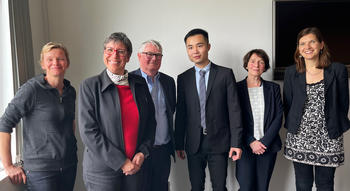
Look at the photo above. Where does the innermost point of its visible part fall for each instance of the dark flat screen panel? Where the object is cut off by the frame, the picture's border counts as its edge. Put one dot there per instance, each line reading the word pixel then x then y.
pixel 331 17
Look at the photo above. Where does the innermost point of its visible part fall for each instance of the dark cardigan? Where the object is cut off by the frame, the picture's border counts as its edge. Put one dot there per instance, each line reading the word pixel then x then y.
pixel 336 99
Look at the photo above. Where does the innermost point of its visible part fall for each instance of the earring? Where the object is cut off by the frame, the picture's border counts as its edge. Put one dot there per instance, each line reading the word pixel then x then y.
pixel 300 56
pixel 321 51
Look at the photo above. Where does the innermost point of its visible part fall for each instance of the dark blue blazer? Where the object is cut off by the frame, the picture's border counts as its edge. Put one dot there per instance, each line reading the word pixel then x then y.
pixel 223 112
pixel 168 85
pixel 273 115
pixel 336 93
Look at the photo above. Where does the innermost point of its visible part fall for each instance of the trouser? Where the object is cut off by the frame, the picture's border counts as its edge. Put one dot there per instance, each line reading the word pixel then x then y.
pixel 60 180
pixel 253 172
pixel 217 164
pixel 304 177
pixel 157 168
pixel 113 181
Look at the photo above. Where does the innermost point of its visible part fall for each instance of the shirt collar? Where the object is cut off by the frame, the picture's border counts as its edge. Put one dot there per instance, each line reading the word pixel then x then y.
pixel 149 78
pixel 206 68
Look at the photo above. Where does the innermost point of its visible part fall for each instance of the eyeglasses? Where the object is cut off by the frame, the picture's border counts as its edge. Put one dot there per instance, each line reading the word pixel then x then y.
pixel 110 51
pixel 150 55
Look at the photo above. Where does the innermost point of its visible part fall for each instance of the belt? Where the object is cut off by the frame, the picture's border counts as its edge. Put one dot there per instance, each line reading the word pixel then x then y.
pixel 160 146
pixel 205 131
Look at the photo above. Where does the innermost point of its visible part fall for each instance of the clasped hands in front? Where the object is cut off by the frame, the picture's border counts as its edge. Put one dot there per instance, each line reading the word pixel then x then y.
pixel 132 167
pixel 257 147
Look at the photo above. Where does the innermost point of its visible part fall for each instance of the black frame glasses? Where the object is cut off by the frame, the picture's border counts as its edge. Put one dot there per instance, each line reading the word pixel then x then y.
pixel 150 55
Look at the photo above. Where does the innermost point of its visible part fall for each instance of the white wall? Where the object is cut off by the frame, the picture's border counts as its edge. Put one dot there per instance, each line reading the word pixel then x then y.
pixel 234 28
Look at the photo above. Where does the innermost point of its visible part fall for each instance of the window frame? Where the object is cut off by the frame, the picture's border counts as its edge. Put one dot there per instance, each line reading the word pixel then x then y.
pixel 22 60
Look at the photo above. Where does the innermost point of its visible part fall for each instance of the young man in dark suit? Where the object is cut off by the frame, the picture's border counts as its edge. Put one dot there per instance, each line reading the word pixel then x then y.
pixel 208 115
pixel 162 89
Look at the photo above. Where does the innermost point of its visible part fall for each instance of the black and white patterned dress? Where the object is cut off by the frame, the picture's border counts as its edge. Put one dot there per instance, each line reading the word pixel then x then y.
pixel 312 145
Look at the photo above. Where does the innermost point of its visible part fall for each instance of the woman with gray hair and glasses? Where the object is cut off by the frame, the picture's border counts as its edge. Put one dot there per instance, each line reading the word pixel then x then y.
pixel 116 122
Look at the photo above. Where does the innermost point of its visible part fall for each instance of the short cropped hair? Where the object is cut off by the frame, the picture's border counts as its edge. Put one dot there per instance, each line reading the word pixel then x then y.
pixel 259 52
pixel 119 37
pixel 196 32
pixel 154 43
pixel 52 45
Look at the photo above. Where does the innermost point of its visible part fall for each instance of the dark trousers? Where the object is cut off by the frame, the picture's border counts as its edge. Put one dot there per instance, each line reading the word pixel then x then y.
pixel 113 181
pixel 217 164
pixel 253 172
pixel 304 177
pixel 60 180
pixel 157 168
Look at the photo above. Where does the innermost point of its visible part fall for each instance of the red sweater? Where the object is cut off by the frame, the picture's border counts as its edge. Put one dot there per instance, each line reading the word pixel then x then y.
pixel 130 119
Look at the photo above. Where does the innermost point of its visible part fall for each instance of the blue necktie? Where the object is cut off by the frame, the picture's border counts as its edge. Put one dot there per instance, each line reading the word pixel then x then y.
pixel 202 97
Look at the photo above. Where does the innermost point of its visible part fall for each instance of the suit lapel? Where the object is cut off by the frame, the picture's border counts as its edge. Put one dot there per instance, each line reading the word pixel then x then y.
pixel 165 88
pixel 192 86
pixel 301 81
pixel 212 74
pixel 267 99
pixel 246 99
pixel 328 78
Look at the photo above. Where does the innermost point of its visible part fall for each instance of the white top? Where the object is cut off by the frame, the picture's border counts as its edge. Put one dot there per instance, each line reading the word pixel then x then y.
pixel 257 103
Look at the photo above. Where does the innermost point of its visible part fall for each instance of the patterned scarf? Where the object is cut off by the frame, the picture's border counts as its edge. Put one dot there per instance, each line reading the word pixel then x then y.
pixel 119 79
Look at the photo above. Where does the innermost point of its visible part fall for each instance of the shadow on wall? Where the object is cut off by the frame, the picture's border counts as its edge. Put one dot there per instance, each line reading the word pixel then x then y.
pixel 6 184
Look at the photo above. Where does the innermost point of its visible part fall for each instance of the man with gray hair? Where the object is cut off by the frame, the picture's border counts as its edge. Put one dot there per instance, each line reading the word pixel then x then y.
pixel 162 89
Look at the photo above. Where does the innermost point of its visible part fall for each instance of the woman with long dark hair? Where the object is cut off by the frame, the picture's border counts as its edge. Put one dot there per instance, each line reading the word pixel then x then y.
pixel 316 103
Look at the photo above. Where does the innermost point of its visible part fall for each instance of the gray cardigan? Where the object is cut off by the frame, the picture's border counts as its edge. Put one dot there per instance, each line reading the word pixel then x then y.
pixel 48 138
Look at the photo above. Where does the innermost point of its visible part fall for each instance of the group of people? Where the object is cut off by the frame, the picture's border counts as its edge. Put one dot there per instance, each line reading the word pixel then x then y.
pixel 126 119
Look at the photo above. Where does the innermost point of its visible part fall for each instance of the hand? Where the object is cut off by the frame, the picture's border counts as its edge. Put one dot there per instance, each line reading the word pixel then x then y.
pixel 138 159
pixel 129 168
pixel 16 174
pixel 181 154
pixel 235 153
pixel 257 147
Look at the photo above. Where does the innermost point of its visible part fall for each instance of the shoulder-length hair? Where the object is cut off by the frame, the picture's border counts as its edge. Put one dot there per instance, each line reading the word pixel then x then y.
pixel 324 55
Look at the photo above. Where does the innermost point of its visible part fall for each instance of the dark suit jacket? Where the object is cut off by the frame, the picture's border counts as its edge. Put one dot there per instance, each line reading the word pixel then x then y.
pixel 273 115
pixel 223 113
pixel 100 122
pixel 336 99
pixel 168 85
